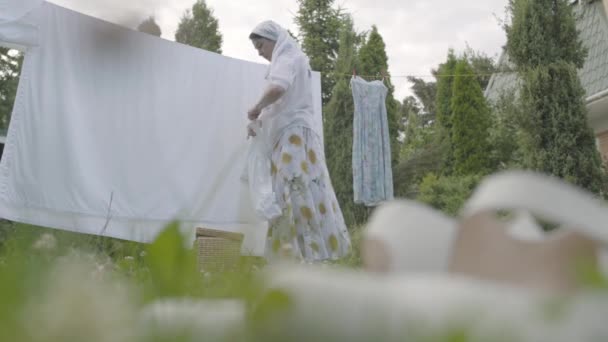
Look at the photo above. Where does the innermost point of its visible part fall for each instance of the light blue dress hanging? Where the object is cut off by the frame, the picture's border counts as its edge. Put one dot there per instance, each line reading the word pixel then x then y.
pixel 372 173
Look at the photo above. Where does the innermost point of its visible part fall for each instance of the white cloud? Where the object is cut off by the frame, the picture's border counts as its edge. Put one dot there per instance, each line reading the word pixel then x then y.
pixel 417 33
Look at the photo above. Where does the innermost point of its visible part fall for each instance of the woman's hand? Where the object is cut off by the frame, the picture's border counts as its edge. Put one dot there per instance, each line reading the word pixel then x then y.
pixel 251 128
pixel 254 113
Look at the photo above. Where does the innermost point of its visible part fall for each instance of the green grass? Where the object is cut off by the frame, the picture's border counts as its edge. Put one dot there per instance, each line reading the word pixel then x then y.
pixel 77 274
pixel 62 286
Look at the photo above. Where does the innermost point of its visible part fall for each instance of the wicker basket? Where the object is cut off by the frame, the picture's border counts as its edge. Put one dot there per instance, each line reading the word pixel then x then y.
pixel 217 250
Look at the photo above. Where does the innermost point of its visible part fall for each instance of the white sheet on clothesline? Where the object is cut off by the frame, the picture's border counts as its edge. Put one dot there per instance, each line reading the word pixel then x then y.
pixel 117 132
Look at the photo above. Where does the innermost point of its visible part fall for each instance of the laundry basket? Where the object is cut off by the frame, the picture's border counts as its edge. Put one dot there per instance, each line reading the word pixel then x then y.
pixel 217 250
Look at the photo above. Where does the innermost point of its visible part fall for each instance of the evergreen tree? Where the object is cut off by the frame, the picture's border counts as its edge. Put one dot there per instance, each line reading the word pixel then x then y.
pixel 443 101
pixel 319 29
pixel 505 133
pixel 150 26
pixel 199 28
pixel 483 66
pixel 338 128
pixel 544 45
pixel 470 123
pixel 427 146
pixel 543 32
pixel 374 61
pixel 443 107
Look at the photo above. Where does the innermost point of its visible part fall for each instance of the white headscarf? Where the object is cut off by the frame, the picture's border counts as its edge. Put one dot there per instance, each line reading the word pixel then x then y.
pixel 285 44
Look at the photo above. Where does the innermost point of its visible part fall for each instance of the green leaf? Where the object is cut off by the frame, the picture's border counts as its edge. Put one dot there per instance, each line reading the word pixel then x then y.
pixel 172 266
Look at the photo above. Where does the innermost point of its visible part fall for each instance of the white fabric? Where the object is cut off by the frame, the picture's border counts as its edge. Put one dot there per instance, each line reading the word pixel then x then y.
pixel 350 305
pixel 11 10
pixel 419 238
pixel 270 30
pixel 117 132
pixel 257 174
pixel 547 197
pixel 19 34
pixel 289 69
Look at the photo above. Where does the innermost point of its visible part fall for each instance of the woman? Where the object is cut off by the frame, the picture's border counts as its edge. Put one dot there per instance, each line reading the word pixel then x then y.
pixel 311 220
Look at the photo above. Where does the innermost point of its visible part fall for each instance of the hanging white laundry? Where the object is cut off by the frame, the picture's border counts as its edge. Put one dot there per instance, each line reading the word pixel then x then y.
pixel 116 132
pixel 372 173
pixel 258 175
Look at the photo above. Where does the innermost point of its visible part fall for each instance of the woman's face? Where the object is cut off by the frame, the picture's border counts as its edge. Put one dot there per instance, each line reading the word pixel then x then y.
pixel 264 47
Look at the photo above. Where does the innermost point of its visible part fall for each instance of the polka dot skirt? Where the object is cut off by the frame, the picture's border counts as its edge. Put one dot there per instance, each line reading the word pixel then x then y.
pixel 312 222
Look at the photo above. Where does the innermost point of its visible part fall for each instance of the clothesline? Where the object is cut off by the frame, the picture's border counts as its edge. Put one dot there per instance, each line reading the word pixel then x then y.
pixel 421 76
pixel 380 76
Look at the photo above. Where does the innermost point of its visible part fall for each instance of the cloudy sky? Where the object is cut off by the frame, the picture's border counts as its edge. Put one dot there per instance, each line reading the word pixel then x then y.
pixel 417 33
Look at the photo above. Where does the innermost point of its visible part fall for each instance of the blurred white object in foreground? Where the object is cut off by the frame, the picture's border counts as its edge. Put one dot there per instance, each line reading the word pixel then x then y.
pixel 326 304
pixel 405 236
